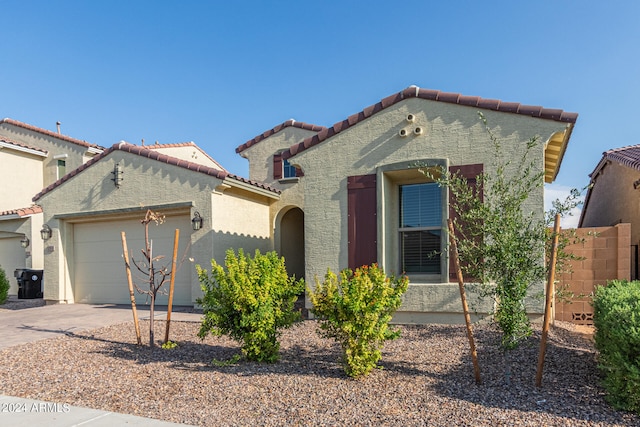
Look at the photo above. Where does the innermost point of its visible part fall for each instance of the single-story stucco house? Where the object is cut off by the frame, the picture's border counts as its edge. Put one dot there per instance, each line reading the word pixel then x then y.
pixel 323 197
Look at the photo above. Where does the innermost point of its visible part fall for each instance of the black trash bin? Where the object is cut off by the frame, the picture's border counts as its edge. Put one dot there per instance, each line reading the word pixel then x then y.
pixel 29 283
pixel 18 275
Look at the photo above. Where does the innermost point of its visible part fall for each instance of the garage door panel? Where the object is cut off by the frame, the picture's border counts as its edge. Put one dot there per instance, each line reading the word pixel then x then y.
pixel 99 270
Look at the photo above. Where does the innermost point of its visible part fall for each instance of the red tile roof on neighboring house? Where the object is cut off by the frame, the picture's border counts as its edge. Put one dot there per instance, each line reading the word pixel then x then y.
pixel 49 133
pixel 277 129
pixel 628 156
pixel 434 95
pixel 185 144
pixel 22 212
pixel 154 155
pixel 21 145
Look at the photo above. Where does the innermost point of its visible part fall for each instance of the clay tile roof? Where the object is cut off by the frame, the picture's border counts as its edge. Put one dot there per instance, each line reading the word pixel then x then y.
pixel 22 212
pixel 628 156
pixel 49 133
pixel 154 155
pixel 21 145
pixel 434 95
pixel 277 129
pixel 177 144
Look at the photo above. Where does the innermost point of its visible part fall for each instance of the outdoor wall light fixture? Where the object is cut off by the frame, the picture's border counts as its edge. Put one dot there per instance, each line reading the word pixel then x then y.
pixel 117 175
pixel 24 242
pixel 45 233
pixel 196 221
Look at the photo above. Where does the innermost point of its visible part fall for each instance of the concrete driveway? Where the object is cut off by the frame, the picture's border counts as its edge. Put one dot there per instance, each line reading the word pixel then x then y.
pixel 33 324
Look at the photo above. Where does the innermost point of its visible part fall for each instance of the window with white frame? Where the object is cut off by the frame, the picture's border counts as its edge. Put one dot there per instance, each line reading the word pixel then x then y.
pixel 420 228
pixel 61 165
pixel 62 168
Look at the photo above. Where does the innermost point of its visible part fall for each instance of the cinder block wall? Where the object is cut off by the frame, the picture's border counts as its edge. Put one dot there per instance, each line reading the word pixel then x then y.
pixel 607 256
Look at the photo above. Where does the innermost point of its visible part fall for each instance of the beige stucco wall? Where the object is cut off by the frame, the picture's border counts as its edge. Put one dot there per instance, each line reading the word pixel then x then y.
pixel 613 200
pixel 21 177
pixel 147 183
pixel 240 222
pixel 451 132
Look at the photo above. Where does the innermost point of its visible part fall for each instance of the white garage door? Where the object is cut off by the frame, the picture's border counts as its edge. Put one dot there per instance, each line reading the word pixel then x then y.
pixel 11 257
pixel 99 269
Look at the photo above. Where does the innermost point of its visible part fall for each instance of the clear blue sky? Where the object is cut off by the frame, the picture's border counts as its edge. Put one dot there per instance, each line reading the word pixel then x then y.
pixel 221 72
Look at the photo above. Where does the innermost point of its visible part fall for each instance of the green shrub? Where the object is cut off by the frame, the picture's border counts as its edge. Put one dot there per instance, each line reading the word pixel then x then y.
pixel 4 286
pixel 250 302
pixel 356 312
pixel 617 320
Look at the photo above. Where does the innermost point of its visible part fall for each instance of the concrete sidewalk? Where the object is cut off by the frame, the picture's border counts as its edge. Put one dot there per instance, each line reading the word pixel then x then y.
pixel 38 323
pixel 18 412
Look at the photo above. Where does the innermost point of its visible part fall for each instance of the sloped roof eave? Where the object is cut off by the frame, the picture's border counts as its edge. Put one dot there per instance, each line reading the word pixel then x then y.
pixel 18 146
pixel 154 155
pixel 433 95
pixel 21 212
pixel 553 161
pixel 266 134
pixel 50 133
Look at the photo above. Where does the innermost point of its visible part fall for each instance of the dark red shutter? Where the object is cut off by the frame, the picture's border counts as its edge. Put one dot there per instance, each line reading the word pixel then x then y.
pixel 469 172
pixel 299 172
pixel 277 166
pixel 362 221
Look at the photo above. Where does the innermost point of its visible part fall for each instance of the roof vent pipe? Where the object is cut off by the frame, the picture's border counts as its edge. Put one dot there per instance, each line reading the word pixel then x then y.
pixel 58 127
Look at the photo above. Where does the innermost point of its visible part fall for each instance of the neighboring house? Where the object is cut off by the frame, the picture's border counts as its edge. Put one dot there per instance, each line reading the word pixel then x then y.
pixel 362 198
pixel 30 159
pixel 89 208
pixel 612 197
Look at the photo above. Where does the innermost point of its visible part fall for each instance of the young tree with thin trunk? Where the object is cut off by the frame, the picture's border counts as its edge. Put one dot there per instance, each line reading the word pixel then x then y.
pixel 500 239
pixel 152 274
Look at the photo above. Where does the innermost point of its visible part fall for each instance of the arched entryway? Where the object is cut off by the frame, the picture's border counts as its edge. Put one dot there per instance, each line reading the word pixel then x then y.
pixel 291 240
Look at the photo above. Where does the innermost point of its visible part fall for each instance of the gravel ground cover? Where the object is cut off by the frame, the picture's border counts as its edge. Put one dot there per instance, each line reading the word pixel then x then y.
pixel 13 303
pixel 427 379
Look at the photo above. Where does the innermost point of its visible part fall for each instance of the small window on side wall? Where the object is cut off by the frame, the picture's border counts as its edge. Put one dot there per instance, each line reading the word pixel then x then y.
pixel 282 169
pixel 62 168
pixel 61 165
pixel 288 170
